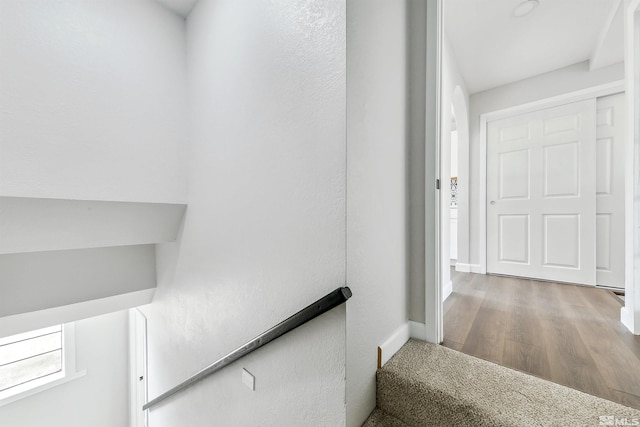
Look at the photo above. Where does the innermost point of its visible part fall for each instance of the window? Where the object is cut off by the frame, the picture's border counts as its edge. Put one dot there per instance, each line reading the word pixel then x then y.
pixel 35 361
pixel 28 357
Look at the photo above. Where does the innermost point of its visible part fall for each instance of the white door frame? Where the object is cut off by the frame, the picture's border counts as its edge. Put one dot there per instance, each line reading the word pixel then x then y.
pixel 434 316
pixel 138 368
pixel 630 313
pixel 580 95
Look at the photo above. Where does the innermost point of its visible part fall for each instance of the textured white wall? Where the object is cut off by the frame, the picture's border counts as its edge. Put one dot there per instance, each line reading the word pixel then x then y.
pixel 92 100
pixel 376 190
pixel 264 234
pixel 454 153
pixel 547 85
pixel 416 116
pixel 100 398
pixel 92 106
pixel 181 7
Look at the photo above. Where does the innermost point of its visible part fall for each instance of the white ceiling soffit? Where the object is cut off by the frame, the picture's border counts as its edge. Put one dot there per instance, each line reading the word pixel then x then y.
pixel 181 7
pixel 609 49
pixel 493 48
pixel 34 224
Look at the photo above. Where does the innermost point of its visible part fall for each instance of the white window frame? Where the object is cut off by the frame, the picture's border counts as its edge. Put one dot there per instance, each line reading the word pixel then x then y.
pixel 68 373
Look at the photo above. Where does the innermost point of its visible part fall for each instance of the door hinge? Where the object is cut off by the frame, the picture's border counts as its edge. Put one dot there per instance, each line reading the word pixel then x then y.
pixel 437 184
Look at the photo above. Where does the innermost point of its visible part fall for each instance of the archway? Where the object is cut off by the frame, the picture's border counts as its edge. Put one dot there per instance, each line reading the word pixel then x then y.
pixel 454 114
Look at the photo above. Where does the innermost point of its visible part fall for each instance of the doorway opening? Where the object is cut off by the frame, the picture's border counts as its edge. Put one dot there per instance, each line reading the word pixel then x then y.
pixel 138 374
pixel 540 189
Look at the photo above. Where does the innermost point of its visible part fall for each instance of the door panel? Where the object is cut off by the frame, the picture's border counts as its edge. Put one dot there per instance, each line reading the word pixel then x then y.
pixel 604 148
pixel 514 238
pixel 514 175
pixel 603 247
pixel 610 119
pixel 568 123
pixel 561 174
pixel 561 240
pixel 541 192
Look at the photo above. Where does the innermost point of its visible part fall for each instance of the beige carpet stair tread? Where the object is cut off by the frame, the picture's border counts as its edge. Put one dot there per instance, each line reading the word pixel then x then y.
pixel 380 418
pixel 426 384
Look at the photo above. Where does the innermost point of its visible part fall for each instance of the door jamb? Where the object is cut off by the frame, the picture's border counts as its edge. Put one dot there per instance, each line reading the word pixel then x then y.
pixel 630 313
pixel 434 317
pixel 138 353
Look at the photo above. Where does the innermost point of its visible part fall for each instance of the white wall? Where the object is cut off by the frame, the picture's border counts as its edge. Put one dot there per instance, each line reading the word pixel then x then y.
pixel 454 154
pixel 376 189
pixel 264 234
pixel 98 399
pixel 92 100
pixel 546 85
pixel 93 107
pixel 416 115
pixel 452 80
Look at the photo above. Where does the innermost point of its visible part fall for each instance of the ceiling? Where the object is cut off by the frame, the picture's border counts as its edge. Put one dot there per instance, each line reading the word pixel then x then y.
pixel 181 7
pixel 493 48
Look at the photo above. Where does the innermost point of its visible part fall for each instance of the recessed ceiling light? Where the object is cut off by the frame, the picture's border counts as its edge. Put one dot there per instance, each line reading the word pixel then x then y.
pixel 525 8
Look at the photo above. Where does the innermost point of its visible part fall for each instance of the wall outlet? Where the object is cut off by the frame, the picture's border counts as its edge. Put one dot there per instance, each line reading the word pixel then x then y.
pixel 248 379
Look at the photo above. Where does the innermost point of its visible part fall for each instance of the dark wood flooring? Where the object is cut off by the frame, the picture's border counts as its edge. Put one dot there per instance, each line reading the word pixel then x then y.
pixel 567 334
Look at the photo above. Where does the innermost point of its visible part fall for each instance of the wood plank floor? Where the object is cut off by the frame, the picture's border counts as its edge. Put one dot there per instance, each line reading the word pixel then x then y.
pixel 567 334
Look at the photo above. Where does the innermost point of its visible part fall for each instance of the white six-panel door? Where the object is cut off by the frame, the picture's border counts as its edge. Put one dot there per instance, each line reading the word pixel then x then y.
pixel 610 134
pixel 541 193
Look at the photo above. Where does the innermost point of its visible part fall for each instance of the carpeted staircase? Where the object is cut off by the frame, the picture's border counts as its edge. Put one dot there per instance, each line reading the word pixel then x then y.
pixel 430 385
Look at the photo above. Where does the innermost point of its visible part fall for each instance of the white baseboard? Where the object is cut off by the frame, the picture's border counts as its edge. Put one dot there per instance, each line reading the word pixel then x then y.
pixel 420 332
pixel 399 338
pixel 417 330
pixel 387 349
pixel 476 268
pixel 453 262
pixel 627 320
pixel 447 290
pixel 469 268
pixel 463 268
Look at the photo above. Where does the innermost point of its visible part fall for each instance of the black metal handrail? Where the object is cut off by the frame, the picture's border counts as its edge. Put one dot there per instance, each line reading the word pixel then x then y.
pixel 324 304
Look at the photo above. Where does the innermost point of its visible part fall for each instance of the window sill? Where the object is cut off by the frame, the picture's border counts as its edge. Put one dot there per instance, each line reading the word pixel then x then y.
pixel 30 391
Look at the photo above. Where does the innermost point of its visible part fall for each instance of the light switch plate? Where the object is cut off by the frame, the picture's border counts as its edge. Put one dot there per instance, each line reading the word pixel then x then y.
pixel 248 379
